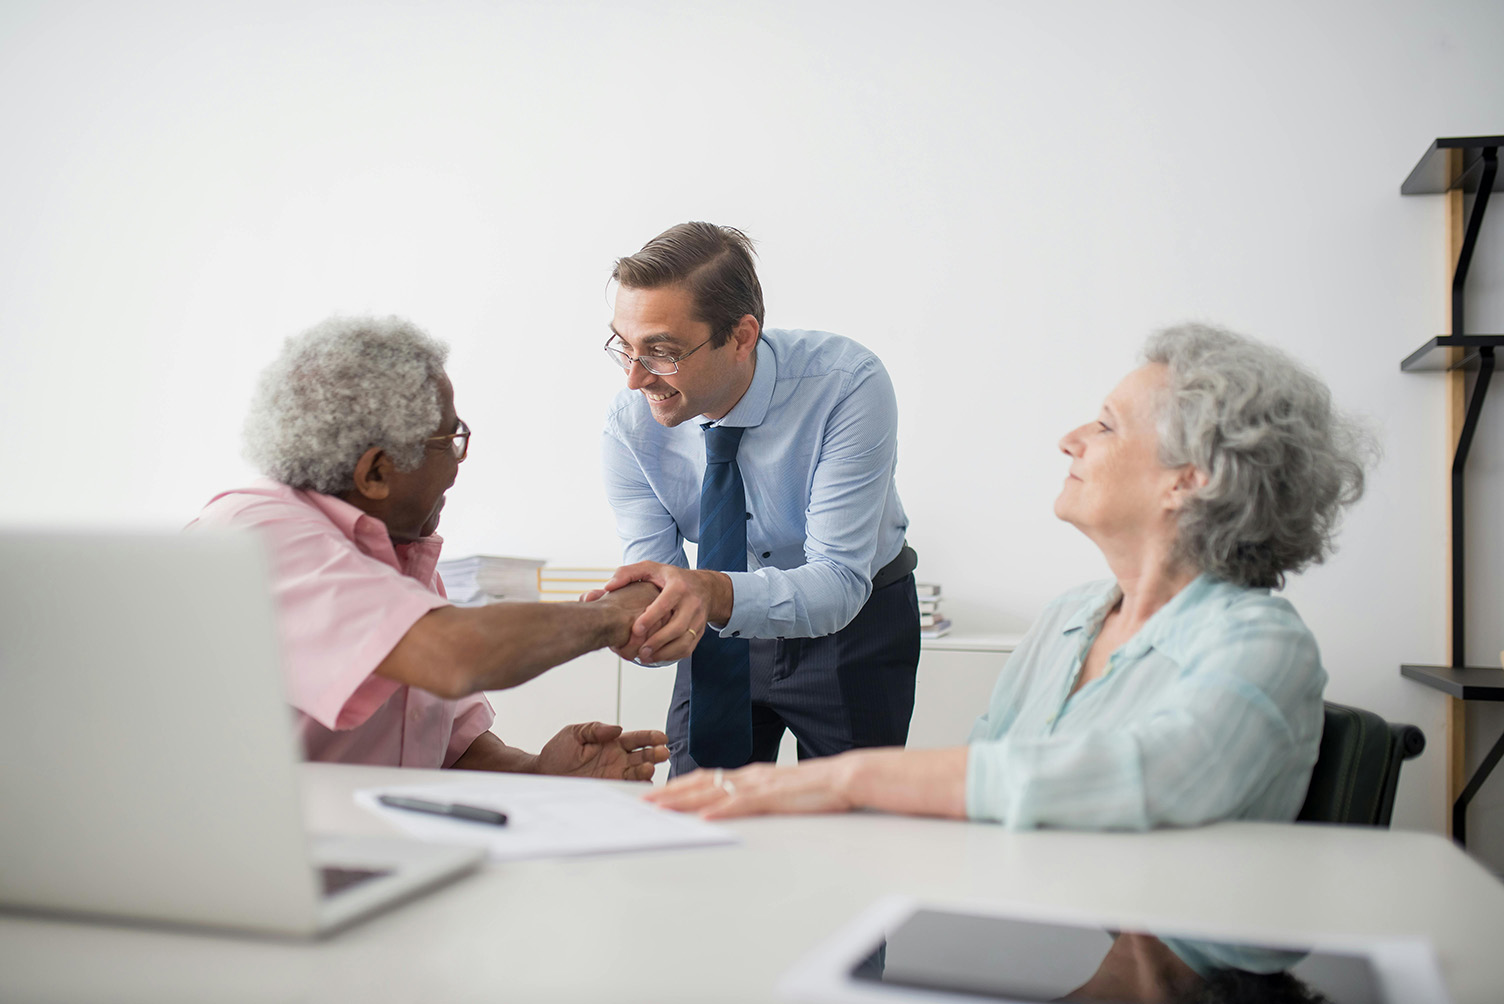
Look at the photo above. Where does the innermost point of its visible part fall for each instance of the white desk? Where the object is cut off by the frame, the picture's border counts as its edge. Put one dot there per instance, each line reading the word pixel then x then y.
pixel 721 924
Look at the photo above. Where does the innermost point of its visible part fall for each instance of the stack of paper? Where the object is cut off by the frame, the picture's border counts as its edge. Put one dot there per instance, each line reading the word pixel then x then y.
pixel 488 578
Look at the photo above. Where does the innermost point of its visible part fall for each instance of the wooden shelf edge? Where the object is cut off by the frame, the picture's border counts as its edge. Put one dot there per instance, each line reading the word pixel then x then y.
pixel 1467 683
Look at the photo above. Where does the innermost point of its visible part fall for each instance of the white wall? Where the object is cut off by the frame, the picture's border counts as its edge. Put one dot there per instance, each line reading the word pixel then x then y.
pixel 1000 199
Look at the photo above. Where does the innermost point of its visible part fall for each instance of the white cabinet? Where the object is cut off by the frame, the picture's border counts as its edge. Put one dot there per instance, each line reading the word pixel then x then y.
pixel 581 690
pixel 956 677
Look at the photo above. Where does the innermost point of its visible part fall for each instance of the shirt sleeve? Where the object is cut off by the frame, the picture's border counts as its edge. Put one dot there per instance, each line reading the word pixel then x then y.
pixel 843 525
pixel 340 612
pixel 647 529
pixel 1244 715
pixel 473 715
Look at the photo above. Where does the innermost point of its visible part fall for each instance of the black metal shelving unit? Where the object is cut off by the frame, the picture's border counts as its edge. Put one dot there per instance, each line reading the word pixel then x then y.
pixel 1469 164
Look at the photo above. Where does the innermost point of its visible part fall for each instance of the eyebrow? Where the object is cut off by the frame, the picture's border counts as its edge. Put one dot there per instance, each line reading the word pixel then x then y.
pixel 660 338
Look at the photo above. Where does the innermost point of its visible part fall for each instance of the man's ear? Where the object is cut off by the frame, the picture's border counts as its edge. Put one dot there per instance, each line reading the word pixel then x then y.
pixel 744 337
pixel 373 474
pixel 1189 480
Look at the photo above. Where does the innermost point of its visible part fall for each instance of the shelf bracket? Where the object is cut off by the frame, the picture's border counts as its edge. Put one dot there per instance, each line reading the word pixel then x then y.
pixel 1490 164
pixel 1470 236
pixel 1459 808
pixel 1459 466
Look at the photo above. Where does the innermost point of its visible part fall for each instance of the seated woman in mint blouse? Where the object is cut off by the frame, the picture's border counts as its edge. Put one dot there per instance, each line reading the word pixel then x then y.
pixel 1179 691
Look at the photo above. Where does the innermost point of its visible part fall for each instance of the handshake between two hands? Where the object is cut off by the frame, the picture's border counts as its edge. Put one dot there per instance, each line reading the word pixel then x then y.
pixel 668 619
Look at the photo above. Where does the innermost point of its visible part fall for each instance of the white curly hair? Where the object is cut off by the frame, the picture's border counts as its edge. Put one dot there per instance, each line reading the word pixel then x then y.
pixel 1282 463
pixel 338 389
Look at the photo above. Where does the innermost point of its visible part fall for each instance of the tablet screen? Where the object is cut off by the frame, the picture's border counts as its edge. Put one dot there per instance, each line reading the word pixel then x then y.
pixel 1007 959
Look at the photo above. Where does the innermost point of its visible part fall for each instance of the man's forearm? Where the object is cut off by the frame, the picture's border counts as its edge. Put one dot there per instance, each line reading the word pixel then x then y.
pixel 488 752
pixel 505 644
pixel 454 651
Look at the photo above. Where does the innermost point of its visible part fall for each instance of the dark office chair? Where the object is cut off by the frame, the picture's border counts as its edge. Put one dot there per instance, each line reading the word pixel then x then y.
pixel 1358 767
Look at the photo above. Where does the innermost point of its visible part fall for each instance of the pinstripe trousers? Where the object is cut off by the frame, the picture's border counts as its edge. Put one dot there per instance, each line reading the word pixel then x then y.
pixel 851 689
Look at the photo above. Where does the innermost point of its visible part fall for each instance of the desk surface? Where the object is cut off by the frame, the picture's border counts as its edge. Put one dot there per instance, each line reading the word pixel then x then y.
pixel 723 923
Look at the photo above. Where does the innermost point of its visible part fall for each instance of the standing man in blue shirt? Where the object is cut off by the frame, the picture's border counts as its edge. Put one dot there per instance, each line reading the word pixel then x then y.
pixel 813 619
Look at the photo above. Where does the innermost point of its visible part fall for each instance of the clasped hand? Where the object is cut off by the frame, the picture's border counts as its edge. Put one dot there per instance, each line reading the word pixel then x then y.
pixel 673 624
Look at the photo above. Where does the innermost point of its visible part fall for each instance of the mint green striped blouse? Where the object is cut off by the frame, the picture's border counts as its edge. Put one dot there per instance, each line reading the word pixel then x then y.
pixel 1211 711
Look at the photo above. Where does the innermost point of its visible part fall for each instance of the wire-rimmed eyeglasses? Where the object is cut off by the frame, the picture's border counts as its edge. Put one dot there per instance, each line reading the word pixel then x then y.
pixel 459 441
pixel 657 363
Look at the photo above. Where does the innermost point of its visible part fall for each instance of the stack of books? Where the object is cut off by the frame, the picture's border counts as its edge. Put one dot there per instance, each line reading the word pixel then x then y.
pixel 932 623
pixel 488 578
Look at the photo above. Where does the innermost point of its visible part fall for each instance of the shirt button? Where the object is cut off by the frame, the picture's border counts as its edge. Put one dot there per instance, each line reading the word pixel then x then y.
pixel 749 515
pixel 736 634
pixel 767 554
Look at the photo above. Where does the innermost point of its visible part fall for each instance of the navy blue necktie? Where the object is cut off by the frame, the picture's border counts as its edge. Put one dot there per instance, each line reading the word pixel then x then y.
pixel 720 670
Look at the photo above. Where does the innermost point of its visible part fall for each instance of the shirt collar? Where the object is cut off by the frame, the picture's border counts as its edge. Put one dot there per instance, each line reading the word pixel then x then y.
pixel 753 407
pixel 416 558
pixel 1094 610
pixel 1161 625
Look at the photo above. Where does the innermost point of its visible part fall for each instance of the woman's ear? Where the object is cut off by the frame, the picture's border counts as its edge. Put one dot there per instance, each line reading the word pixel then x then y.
pixel 1189 480
pixel 373 474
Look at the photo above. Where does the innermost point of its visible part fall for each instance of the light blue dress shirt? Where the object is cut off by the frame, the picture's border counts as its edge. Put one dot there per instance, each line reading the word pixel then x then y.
pixel 1211 711
pixel 817 459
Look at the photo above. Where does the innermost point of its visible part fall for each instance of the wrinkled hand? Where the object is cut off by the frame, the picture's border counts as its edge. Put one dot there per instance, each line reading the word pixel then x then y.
pixel 594 749
pixel 758 789
pixel 631 599
pixel 673 624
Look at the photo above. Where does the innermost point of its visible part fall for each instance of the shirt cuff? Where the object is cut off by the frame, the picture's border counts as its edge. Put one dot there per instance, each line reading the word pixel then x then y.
pixel 750 599
pixel 984 777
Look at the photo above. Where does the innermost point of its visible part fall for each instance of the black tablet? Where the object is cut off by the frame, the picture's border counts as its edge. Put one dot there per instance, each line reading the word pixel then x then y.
pixel 901 950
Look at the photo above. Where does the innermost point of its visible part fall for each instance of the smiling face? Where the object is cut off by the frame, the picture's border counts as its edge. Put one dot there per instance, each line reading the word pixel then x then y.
pixel 1117 487
pixel 662 321
pixel 416 497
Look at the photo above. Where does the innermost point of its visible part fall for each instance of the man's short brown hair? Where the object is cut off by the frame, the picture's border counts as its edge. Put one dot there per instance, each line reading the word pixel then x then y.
pixel 713 263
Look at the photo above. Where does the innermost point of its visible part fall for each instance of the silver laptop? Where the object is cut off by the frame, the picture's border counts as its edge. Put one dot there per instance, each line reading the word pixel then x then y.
pixel 147 757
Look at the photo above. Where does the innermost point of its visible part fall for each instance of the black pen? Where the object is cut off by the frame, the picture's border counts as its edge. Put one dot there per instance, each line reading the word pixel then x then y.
pixel 474 814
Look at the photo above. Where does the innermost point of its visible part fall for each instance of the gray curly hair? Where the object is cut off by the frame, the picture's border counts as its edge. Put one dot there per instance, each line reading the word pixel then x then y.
pixel 338 389
pixel 1281 462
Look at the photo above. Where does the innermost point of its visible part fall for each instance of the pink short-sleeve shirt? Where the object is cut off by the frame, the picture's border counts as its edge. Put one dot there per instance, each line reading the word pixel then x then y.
pixel 345 596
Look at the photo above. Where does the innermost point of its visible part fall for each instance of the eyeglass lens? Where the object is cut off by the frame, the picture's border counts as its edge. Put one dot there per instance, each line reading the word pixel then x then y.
pixel 657 365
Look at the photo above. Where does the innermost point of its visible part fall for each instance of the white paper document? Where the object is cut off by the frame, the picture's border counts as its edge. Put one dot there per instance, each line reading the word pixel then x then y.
pixel 546 817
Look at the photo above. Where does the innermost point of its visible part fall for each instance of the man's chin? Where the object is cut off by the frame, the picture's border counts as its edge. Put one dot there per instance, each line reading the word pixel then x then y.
pixel 669 419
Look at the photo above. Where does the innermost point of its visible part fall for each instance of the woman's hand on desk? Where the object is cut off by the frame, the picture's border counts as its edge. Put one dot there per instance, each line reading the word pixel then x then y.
pixel 921 782
pixel 814 786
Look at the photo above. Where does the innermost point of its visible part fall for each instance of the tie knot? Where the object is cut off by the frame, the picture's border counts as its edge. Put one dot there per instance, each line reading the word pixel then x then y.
pixel 721 442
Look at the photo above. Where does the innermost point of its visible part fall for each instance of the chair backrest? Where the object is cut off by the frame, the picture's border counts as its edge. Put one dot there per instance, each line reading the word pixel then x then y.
pixel 1358 767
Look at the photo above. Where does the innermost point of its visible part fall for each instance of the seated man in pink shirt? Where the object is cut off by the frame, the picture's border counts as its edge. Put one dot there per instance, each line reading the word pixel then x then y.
pixel 355 428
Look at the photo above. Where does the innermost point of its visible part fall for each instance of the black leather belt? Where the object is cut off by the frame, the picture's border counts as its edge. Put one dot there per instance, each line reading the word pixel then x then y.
pixel 906 562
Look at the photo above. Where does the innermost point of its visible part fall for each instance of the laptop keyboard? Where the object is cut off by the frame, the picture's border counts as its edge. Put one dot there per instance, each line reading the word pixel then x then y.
pixel 337 880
